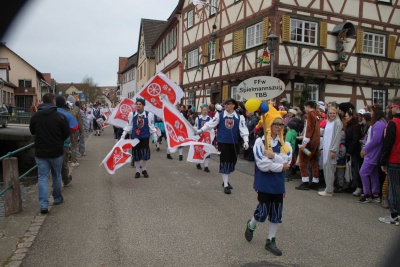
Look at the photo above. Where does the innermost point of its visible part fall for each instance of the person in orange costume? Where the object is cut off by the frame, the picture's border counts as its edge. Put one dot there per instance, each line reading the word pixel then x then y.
pixel 311 142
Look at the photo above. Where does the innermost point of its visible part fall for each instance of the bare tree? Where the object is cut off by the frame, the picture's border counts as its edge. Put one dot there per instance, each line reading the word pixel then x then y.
pixel 90 89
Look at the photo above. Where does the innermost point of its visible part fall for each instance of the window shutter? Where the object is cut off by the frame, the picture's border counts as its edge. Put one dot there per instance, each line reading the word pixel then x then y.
pixel 204 52
pixel 225 90
pixel 285 28
pixel 359 41
pixel 392 47
pixel 323 34
pixel 238 41
pixel 217 48
pixel 265 29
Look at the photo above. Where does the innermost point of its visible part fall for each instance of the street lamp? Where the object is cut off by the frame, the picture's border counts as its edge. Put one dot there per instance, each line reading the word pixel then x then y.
pixel 272 44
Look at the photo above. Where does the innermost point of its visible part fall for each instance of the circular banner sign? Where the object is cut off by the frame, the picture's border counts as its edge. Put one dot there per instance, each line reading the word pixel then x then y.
pixel 261 87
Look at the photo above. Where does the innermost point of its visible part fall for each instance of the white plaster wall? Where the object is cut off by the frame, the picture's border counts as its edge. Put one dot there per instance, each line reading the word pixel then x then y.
pixel 167 60
pixel 370 11
pixel 338 89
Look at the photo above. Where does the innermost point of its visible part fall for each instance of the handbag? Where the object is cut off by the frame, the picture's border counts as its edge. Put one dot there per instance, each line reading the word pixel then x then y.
pixel 347 175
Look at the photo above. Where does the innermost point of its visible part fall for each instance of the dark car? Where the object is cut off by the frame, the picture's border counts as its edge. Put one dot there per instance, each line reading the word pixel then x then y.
pixel 3 116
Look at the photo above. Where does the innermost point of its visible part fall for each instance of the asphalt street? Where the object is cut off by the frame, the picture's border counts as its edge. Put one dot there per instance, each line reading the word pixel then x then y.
pixel 181 217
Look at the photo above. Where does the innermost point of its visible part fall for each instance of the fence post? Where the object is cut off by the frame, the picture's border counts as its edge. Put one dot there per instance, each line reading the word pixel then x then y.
pixel 12 198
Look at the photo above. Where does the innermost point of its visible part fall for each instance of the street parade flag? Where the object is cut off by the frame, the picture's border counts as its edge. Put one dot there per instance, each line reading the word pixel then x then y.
pixel 119 155
pixel 198 153
pixel 106 115
pixel 181 133
pixel 159 85
pixel 119 115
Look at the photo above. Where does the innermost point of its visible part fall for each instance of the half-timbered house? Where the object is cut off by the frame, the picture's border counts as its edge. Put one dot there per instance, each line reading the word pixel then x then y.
pixel 339 50
pixel 127 74
pixel 168 48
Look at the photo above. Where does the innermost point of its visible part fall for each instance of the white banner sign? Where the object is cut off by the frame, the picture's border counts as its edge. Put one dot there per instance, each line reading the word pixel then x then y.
pixel 261 87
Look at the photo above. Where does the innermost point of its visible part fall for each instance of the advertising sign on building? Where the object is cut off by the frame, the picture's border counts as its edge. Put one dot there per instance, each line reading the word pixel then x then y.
pixel 82 97
pixel 261 87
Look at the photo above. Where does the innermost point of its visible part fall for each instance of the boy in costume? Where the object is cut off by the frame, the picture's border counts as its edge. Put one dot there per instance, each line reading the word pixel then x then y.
pixel 272 158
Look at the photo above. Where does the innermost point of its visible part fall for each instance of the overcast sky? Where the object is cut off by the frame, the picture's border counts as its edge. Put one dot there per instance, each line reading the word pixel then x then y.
pixel 74 38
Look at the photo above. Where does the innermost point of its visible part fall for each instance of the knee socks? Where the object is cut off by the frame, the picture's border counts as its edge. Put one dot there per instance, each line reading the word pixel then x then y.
pixel 225 178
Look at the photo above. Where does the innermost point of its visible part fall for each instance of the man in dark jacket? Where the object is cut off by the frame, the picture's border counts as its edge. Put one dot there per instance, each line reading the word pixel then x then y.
pixel 50 129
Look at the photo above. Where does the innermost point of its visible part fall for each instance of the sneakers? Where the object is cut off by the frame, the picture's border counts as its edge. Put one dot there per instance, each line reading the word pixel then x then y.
pixel 180 157
pixel 385 203
pixel 227 190
pixel 137 175
pixel 325 194
pixel 365 199
pixel 198 166
pixel 74 164
pixel 390 220
pixel 145 174
pixel 169 156
pixel 44 211
pixel 358 192
pixel 249 232
pixel 206 169
pixel 376 199
pixel 271 246
pixel 303 186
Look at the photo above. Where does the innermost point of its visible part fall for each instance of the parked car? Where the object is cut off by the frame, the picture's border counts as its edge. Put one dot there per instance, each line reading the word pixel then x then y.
pixel 3 113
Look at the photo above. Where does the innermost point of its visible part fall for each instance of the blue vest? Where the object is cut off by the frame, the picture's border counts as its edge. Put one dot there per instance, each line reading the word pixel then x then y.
pixel 228 129
pixel 202 121
pixel 270 182
pixel 140 123
pixel 96 113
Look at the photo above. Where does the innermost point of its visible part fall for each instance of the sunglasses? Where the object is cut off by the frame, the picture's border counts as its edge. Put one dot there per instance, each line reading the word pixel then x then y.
pixel 229 103
pixel 278 124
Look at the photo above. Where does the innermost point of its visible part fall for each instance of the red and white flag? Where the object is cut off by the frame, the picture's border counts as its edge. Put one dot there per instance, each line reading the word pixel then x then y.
pixel 198 153
pixel 180 132
pixel 119 155
pixel 159 85
pixel 119 115
pixel 106 115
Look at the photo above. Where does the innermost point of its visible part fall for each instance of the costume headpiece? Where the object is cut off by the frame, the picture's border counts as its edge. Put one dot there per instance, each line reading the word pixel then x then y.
pixel 269 118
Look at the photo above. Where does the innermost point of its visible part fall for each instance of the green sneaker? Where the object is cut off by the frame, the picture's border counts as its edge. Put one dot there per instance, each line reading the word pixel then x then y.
pixel 271 246
pixel 249 232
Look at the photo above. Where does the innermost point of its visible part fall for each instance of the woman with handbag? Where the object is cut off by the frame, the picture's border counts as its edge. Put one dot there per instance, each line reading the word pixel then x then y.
pixel 330 150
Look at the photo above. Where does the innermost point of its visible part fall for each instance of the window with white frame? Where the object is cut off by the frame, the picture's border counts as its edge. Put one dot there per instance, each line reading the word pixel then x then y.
pixel 190 19
pixel 193 58
pixel 208 92
pixel 234 93
pixel 254 35
pixel 379 97
pixel 314 90
pixel 302 31
pixel 374 44
pixel 213 7
pixel 211 51
pixel 385 1
pixel 191 99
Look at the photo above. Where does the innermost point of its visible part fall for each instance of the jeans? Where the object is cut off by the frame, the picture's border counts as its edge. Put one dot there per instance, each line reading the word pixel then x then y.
pixel 44 166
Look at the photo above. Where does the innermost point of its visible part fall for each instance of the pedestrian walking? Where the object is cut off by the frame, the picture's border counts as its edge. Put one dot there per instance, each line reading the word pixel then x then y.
pixel 76 112
pixel 50 129
pixel 230 127
pixel 199 122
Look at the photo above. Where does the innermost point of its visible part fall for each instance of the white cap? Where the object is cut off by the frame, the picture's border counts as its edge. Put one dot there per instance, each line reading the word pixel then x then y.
pixel 361 111
pixel 293 111
pixel 218 107
pixel 321 105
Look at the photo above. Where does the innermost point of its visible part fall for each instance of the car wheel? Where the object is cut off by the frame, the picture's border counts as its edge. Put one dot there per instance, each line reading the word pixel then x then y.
pixel 5 124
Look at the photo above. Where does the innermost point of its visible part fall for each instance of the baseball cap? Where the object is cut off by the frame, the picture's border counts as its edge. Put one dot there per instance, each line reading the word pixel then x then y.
pixel 361 111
